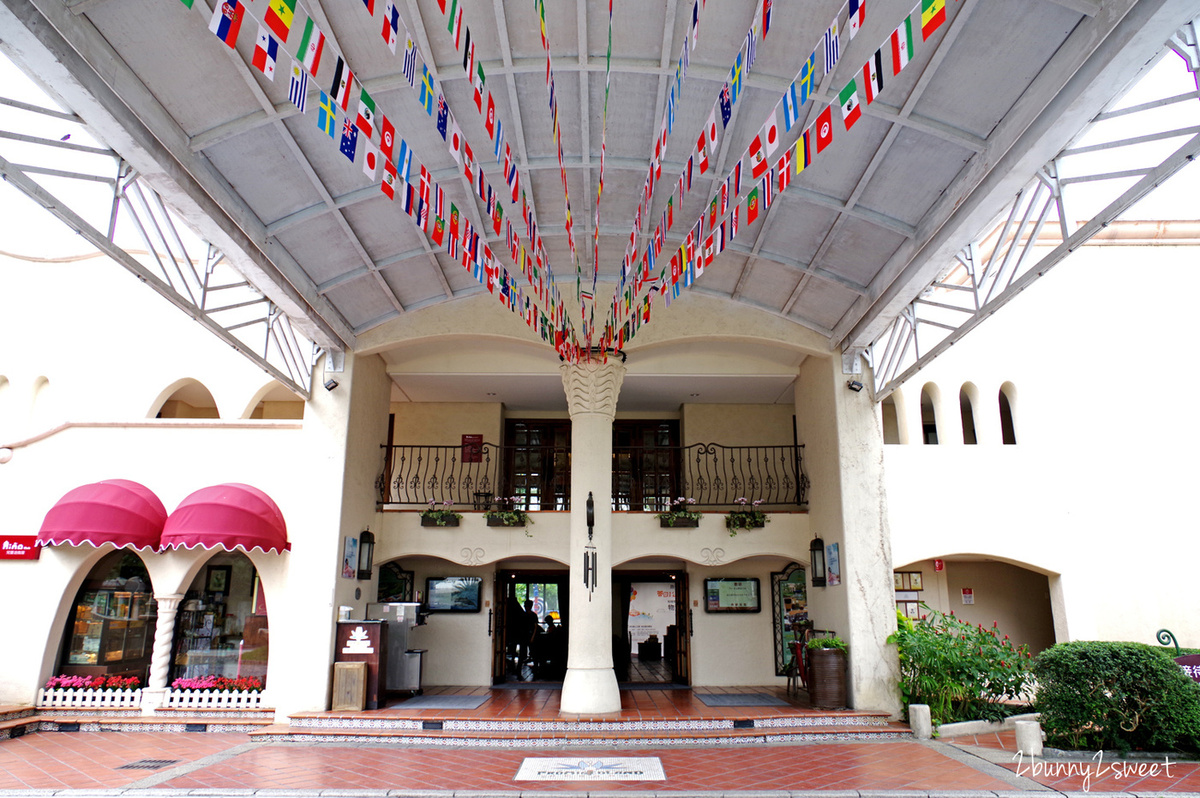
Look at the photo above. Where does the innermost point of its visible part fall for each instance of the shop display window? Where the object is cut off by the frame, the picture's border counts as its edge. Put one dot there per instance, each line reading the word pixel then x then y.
pixel 110 631
pixel 221 627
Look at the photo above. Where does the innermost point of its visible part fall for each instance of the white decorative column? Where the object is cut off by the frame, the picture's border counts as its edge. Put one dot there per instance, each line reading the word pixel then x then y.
pixel 155 691
pixel 590 686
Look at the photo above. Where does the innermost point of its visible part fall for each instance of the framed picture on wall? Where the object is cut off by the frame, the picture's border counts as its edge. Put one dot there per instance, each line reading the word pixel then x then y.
pixel 217 580
pixel 350 558
pixel 732 594
pixel 453 593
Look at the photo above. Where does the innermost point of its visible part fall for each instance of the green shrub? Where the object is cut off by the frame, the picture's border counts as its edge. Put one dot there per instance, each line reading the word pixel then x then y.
pixel 962 671
pixel 1117 696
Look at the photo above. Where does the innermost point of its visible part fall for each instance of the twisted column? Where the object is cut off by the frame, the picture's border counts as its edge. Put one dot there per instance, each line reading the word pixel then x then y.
pixel 164 631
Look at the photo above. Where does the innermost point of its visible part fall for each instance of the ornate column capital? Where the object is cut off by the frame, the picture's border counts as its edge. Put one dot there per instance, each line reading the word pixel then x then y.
pixel 593 387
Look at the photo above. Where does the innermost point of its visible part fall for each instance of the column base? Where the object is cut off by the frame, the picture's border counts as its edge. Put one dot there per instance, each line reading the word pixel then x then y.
pixel 590 691
pixel 152 699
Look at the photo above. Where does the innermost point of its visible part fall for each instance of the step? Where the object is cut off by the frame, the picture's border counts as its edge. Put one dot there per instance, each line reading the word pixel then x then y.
pixel 15 711
pixel 11 728
pixel 171 722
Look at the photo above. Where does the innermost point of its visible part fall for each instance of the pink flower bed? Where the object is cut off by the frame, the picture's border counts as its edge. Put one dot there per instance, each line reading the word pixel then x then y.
pixel 94 683
pixel 245 683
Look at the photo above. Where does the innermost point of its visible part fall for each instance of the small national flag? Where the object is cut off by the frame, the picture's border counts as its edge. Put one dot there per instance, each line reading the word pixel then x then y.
pixel 791 108
pixel 832 46
pixel 370 4
pixel 454 140
pixel 489 121
pixel 468 161
pixel 327 116
pixel 279 16
pixel 902 45
pixel 410 62
pixel 824 126
pixel 343 78
pixel 349 146
pixel 736 174
pixel 439 230
pixel 266 50
pixel 770 135
pixel 226 21
pixel 387 137
pixel 784 170
pixel 469 54
pixel 391 25
pixel 848 97
pixel 933 15
pixel 805 79
pixel 443 117
pixel 766 20
pixel 695 31
pixel 404 161
pixel 858 15
pixel 479 81
pixel 735 79
pixel 389 179
pixel 456 24
pixel 758 157
pixel 726 101
pixel 426 97
pixel 370 164
pixel 752 206
pixel 312 43
pixel 873 76
pixel 298 87
pixel 751 47
pixel 366 114
pixel 804 151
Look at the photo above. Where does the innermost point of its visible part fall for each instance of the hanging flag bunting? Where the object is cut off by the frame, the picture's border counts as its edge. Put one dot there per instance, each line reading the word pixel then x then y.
pixel 848 98
pixel 349 146
pixel 266 50
pixel 227 21
pixel 387 137
pixel 298 87
pixel 366 114
pixel 370 164
pixel 791 108
pixel 279 16
pixel 391 25
pixel 312 43
pixel 410 62
pixel 832 45
pixel 933 15
pixel 824 126
pixel 858 15
pixel 389 180
pixel 873 76
pixel 902 45
pixel 326 115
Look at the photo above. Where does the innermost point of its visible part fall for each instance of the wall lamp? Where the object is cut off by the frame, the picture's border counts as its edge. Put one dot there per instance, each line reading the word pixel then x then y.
pixel 816 559
pixel 330 384
pixel 366 554
pixel 854 385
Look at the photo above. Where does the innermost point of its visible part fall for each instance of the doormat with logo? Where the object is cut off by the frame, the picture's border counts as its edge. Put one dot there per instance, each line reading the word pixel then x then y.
pixel 569 768
pixel 443 702
pixel 740 700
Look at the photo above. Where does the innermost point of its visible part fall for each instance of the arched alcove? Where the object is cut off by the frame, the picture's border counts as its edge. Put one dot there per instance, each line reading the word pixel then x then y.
pixel 274 401
pixel 187 398
pixel 929 420
pixel 110 627
pixel 890 419
pixel 221 629
pixel 968 397
pixel 1008 425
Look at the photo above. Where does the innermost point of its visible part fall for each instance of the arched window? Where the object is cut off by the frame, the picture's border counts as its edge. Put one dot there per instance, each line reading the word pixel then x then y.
pixel 190 399
pixel 966 410
pixel 275 401
pixel 1008 427
pixel 110 629
pixel 891 420
pixel 929 430
pixel 221 629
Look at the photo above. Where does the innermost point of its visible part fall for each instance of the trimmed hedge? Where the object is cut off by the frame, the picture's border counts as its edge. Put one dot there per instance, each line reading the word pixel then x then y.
pixel 1116 696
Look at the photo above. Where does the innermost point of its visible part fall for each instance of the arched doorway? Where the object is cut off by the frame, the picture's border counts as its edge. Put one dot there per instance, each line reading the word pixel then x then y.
pixel 532 625
pixel 650 623
pixel 110 629
pixel 221 629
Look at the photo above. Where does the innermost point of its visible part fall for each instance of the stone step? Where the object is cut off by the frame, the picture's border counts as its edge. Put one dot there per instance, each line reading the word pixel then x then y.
pixel 15 711
pixel 192 722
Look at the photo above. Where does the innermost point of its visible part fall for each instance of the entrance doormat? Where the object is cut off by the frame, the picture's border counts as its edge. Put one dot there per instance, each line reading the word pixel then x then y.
pixel 443 702
pixel 570 768
pixel 740 700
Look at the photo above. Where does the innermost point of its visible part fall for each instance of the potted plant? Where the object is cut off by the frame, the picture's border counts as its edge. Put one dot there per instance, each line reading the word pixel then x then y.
pixel 507 513
pixel 743 518
pixel 439 515
pixel 827 672
pixel 679 516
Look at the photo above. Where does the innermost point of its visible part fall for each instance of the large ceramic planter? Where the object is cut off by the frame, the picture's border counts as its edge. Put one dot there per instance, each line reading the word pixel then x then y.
pixel 448 521
pixel 827 679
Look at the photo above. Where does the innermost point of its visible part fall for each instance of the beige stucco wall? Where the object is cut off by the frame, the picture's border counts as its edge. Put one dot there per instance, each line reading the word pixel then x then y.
pixel 444 424
pixel 737 425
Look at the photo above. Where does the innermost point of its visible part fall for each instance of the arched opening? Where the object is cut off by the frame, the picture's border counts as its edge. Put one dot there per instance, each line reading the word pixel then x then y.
pixel 966 409
pixel 189 399
pixel 890 419
pixel 275 401
pixel 221 629
pixel 110 629
pixel 1008 427
pixel 929 428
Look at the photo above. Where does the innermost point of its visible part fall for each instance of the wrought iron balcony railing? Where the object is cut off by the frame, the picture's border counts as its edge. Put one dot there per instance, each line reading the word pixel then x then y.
pixel 644 478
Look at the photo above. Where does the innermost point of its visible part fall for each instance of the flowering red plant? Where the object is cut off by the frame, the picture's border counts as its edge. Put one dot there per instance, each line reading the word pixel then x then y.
pixel 64 682
pixel 219 683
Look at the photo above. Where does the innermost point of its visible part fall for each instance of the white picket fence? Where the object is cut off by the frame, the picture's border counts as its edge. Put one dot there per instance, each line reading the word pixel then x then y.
pixel 74 698
pixel 213 699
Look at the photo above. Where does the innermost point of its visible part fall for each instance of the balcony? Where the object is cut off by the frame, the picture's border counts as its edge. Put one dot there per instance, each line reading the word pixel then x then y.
pixel 644 478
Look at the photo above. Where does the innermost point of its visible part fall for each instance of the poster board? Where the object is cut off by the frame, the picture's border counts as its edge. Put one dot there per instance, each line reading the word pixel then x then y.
pixel 732 594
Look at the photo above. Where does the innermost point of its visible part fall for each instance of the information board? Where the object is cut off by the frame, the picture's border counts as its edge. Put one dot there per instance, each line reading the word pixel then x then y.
pixel 732 594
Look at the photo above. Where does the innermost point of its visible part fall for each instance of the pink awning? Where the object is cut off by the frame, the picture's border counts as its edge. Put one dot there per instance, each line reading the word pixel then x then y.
pixel 230 516
pixel 115 511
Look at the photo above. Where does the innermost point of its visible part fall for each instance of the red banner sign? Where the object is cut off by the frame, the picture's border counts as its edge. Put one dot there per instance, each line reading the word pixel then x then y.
pixel 19 547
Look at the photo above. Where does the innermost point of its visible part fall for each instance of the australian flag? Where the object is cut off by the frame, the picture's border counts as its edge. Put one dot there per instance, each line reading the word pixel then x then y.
pixel 349 140
pixel 443 116
pixel 726 101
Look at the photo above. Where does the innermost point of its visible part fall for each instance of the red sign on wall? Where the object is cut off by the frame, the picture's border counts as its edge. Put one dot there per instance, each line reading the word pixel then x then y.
pixel 19 547
pixel 472 448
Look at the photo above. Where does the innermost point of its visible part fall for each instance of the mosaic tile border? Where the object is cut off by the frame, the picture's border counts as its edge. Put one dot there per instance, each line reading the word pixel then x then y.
pixel 821 720
pixel 536 726
pixel 182 726
pixel 375 724
pixel 518 743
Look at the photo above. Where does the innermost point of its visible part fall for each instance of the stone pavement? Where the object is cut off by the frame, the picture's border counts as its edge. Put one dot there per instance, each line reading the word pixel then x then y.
pixel 218 763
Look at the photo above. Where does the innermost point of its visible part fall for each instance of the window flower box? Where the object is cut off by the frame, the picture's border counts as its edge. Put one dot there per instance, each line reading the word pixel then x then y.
pixel 743 518
pixel 679 516
pixel 440 515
